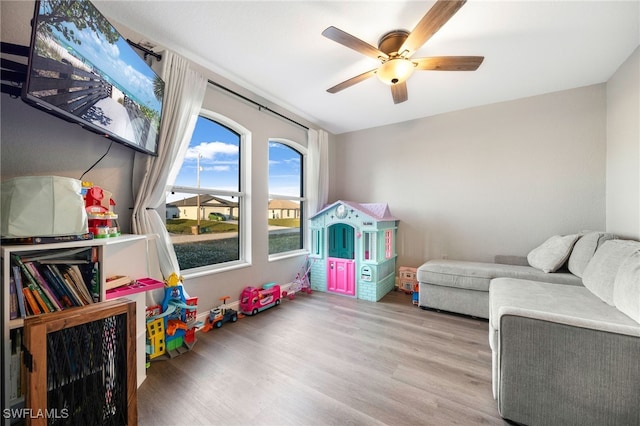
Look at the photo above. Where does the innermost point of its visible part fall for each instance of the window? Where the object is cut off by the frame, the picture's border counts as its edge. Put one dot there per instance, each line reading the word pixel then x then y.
pixel 369 242
pixel 206 207
pixel 286 203
pixel 389 250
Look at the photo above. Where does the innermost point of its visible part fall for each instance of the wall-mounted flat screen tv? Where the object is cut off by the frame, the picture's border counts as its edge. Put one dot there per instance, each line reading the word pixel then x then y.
pixel 81 69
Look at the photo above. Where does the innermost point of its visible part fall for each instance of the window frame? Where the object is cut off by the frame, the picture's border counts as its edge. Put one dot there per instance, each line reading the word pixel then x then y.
pixel 302 150
pixel 243 196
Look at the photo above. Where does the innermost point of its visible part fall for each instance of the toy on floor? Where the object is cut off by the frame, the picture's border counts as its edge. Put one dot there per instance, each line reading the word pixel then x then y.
pixel 171 326
pixel 219 316
pixel 300 282
pixel 408 279
pixel 254 300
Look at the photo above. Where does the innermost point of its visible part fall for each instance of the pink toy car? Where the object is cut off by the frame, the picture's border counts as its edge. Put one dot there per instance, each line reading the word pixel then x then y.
pixel 254 300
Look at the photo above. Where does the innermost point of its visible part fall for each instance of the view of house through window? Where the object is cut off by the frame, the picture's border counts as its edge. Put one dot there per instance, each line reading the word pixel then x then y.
pixel 286 204
pixel 204 209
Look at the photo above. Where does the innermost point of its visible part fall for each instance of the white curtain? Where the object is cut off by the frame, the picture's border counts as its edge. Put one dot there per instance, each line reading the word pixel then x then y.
pixel 184 93
pixel 317 192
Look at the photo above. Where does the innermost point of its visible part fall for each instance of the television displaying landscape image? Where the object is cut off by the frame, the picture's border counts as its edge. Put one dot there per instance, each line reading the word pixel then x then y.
pixel 81 69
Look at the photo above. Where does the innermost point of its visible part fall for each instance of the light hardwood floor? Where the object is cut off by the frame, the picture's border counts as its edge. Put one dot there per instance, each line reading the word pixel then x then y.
pixel 323 359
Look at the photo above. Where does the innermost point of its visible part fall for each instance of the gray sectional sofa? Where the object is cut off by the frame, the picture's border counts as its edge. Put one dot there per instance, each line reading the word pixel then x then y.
pixel 561 354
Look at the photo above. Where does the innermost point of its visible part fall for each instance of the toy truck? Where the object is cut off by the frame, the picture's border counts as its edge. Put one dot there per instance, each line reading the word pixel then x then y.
pixel 254 300
pixel 220 315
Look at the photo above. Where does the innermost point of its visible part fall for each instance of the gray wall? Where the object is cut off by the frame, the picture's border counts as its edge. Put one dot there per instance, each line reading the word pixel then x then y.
pixel 623 149
pixel 497 179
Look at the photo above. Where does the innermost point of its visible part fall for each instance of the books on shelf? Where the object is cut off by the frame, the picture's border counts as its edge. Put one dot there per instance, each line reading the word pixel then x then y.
pixel 17 279
pixel 54 280
pixel 13 300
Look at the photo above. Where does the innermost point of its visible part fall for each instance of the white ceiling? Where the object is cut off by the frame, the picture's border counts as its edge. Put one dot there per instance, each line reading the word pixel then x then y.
pixel 275 48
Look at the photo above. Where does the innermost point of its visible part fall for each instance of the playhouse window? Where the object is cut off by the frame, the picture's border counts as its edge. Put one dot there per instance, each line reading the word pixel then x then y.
pixel 388 244
pixel 369 241
pixel 286 192
pixel 316 242
pixel 208 193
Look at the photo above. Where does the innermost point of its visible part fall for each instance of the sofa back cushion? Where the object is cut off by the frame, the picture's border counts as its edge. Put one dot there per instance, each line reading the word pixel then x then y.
pixel 584 249
pixel 626 288
pixel 553 253
pixel 600 273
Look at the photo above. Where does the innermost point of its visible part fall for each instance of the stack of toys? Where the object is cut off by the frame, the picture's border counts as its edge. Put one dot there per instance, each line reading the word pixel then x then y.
pixel 171 326
pixel 99 206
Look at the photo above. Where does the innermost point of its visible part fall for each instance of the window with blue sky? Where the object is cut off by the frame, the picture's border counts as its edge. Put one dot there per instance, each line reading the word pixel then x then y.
pixel 205 211
pixel 286 203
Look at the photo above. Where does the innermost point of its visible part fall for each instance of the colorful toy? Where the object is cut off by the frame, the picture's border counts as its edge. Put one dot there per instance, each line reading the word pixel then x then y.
pixel 354 245
pixel 408 279
pixel 416 293
pixel 99 206
pixel 171 326
pixel 219 316
pixel 301 281
pixel 254 300
pixel 173 280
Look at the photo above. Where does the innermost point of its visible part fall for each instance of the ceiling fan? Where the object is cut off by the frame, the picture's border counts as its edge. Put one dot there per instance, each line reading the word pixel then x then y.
pixel 396 47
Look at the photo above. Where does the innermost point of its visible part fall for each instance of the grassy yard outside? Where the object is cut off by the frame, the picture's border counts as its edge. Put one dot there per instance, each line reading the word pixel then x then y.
pixel 194 254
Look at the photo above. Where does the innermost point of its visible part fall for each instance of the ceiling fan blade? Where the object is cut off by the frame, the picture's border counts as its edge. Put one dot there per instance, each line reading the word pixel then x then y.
pixel 352 81
pixel 430 23
pixel 399 92
pixel 448 63
pixel 354 43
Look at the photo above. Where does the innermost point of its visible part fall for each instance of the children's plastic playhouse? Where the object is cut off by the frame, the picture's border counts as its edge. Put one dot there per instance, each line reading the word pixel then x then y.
pixel 354 248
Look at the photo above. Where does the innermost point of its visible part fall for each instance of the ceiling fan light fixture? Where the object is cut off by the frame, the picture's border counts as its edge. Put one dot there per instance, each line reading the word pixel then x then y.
pixel 395 71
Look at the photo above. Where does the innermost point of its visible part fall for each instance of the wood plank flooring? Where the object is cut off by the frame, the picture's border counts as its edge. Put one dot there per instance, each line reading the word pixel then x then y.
pixel 323 359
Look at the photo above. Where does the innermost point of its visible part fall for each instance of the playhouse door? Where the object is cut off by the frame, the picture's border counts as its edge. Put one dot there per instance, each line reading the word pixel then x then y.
pixel 341 276
pixel 341 241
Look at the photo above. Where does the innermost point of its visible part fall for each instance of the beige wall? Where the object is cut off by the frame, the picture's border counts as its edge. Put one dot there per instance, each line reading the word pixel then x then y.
pixel 623 149
pixel 497 179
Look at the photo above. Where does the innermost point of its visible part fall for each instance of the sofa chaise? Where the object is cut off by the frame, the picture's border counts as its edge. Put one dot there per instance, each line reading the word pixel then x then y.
pixel 570 355
pixel 565 345
pixel 463 287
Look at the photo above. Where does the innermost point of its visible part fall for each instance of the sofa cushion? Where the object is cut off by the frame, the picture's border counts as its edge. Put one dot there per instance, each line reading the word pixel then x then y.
pixel 570 305
pixel 478 275
pixel 553 253
pixel 626 287
pixel 600 273
pixel 584 249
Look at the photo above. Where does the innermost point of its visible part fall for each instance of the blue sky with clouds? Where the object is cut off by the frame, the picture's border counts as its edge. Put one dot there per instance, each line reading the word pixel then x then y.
pixel 219 152
pixel 119 62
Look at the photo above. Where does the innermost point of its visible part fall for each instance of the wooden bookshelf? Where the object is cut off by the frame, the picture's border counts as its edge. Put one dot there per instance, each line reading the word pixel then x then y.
pixel 123 255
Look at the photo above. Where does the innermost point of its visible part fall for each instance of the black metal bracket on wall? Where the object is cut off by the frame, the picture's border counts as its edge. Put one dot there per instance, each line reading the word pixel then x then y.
pixel 13 73
pixel 146 51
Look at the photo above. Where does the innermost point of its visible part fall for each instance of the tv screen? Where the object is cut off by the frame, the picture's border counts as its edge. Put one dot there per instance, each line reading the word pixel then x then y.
pixel 81 69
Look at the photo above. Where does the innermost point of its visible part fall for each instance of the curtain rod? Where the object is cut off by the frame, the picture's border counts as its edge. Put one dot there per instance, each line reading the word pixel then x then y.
pixel 260 106
pixel 146 51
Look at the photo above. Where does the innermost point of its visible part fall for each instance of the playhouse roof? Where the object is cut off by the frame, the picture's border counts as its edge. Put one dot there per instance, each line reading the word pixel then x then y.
pixel 379 211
